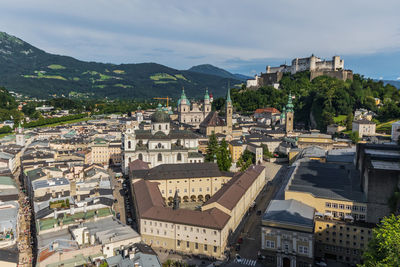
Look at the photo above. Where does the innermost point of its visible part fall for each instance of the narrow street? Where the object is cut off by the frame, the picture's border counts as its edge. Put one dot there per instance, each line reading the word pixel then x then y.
pixel 24 223
pixel 118 193
pixel 250 231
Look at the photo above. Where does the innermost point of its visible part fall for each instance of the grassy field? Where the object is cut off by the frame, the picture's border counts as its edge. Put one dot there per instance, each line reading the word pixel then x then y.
pixel 340 118
pixel 56 67
pixel 162 76
pixel 164 82
pixel 43 76
pixel 385 127
pixel 123 85
pixel 119 71
pixel 180 76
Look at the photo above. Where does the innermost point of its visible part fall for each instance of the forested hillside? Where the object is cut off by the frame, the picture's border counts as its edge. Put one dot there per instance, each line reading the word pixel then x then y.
pixel 317 102
pixel 33 72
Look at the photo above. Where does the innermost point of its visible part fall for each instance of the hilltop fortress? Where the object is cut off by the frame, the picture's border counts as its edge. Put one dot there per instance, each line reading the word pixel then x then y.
pixel 315 65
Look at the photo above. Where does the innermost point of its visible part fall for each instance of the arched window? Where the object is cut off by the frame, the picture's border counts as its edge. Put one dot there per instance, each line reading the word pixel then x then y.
pixel 140 156
pixel 159 157
pixel 129 144
pixel 179 157
pixel 159 127
pixel 159 145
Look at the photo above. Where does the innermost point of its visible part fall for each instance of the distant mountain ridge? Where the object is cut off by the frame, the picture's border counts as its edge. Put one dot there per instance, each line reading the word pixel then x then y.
pixel 212 70
pixel 394 83
pixel 31 71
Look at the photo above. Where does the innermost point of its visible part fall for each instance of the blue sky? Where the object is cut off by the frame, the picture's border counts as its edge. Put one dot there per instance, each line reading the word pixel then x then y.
pixel 240 36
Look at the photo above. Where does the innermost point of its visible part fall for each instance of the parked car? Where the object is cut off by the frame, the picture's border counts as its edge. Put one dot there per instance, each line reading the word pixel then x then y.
pixel 238 258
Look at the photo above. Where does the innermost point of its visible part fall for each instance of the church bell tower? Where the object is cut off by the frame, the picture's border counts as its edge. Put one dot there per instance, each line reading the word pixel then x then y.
pixel 229 111
pixel 289 115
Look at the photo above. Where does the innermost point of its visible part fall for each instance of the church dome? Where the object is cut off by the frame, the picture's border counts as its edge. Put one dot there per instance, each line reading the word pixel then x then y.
pixel 160 117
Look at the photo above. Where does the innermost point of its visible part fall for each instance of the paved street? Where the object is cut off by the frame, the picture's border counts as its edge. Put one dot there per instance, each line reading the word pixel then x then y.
pixel 24 234
pixel 250 231
pixel 118 192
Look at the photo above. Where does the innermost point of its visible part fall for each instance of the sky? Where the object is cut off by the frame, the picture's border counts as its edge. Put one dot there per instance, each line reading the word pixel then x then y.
pixel 241 36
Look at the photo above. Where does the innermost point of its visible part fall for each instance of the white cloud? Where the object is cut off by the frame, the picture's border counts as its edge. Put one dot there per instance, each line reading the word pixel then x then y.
pixel 184 33
pixel 398 78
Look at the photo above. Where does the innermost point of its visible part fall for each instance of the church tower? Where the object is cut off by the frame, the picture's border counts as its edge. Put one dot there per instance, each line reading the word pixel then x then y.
pixel 289 115
pixel 207 104
pixel 183 107
pixel 229 111
pixel 19 136
pixel 282 119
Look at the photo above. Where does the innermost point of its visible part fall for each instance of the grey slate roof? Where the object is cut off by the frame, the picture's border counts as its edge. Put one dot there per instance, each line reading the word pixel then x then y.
pixel 179 171
pixel 327 180
pixel 291 212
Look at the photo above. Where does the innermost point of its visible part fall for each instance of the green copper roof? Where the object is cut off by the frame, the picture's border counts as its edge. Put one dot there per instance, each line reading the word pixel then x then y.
pixel 206 96
pixel 183 98
pixel 289 105
pixel 228 96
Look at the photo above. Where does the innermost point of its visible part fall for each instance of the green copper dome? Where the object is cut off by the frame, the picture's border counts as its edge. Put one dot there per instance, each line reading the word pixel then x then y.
pixel 160 117
pixel 183 98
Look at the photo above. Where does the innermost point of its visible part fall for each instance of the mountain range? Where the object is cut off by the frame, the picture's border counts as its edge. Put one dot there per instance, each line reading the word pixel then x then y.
pixel 31 71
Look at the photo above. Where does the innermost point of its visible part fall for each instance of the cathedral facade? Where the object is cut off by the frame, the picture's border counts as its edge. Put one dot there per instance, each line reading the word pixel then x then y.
pixel 193 113
pixel 160 145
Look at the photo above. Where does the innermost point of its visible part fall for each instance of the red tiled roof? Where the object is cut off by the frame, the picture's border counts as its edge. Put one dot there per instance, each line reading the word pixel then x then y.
pixel 267 110
pixel 230 194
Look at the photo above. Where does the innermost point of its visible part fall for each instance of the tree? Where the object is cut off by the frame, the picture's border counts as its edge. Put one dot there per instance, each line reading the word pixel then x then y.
pixel 354 137
pixel 349 121
pixel 384 247
pixel 212 148
pixel 224 159
pixel 266 152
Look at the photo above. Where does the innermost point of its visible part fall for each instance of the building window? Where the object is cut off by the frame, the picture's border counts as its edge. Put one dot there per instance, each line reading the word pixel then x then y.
pixel 140 156
pixel 187 244
pixel 341 206
pixel 129 144
pixel 179 157
pixel 334 205
pixel 205 247
pixel 270 244
pixel 196 245
pixel 159 127
pixel 348 207
pixel 159 157
pixel 178 243
pixel 215 249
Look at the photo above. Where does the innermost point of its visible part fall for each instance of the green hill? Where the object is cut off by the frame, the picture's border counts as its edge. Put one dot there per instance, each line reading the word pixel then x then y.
pixel 31 71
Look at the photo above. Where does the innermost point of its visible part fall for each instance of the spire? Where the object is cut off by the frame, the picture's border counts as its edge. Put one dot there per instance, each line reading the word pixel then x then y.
pixel 228 95
pixel 176 201
pixel 206 96
pixel 289 106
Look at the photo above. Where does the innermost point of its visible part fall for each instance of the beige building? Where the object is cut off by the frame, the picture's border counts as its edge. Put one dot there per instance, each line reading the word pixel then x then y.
pixel 215 124
pixel 104 152
pixel 364 127
pixel 287 234
pixel 198 232
pixel 193 182
pixel 193 114
pixel 315 139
